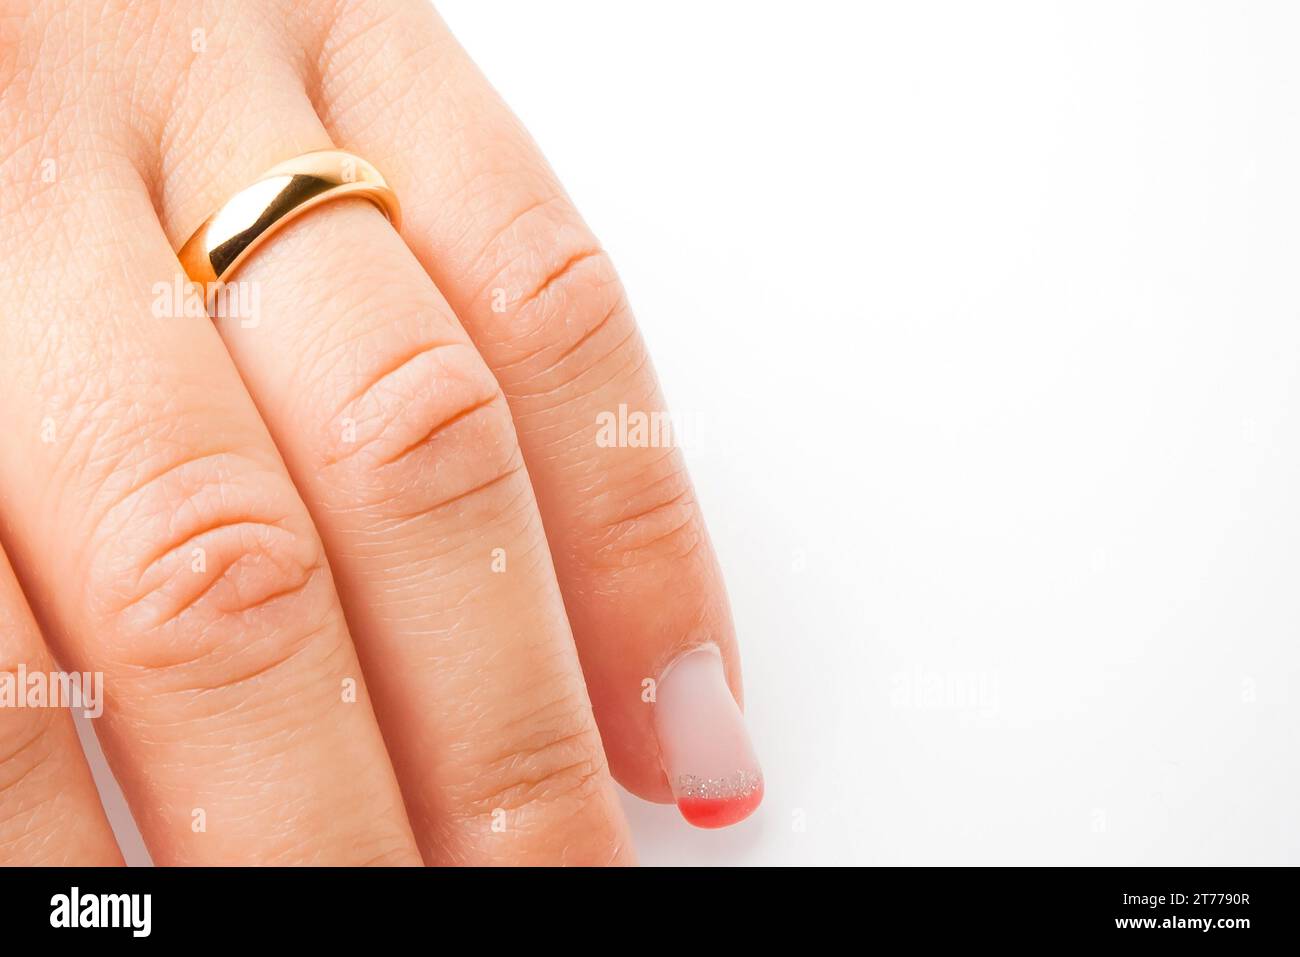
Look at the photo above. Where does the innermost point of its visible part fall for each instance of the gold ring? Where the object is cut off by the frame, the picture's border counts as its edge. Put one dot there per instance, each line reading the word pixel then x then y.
pixel 281 194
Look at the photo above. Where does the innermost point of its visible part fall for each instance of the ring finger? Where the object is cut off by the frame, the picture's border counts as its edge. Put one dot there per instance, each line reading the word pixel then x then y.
pixel 403 446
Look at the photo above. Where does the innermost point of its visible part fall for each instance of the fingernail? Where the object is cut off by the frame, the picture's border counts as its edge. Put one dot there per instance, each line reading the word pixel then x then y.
pixel 703 741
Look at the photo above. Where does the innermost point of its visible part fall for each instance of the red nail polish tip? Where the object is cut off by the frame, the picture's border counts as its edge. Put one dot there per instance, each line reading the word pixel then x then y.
pixel 719 812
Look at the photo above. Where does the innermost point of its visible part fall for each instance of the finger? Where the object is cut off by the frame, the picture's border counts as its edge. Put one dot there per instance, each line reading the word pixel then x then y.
pixel 154 527
pixel 50 813
pixel 403 447
pixel 539 297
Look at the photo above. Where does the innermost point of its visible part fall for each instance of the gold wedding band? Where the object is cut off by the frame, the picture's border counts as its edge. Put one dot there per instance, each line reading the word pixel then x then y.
pixel 280 195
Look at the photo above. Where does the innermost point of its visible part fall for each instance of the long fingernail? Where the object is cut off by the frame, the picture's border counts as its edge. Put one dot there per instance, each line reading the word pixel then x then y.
pixel 705 746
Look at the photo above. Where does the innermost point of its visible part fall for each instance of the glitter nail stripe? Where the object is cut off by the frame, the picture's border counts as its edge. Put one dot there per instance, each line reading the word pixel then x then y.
pixel 740 784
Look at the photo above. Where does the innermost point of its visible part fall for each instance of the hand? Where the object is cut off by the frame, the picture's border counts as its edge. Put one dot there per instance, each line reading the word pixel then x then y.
pixel 417 458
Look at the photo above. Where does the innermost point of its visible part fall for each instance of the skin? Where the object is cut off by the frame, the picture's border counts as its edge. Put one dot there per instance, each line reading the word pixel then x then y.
pixel 349 679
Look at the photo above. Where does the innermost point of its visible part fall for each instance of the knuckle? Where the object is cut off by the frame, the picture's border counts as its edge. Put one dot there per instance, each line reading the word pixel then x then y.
pixel 429 428
pixel 657 517
pixel 206 563
pixel 559 311
pixel 554 767
pixel 387 45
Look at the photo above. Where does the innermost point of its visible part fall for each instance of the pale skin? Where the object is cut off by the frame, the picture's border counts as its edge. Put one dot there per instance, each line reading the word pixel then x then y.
pixel 363 586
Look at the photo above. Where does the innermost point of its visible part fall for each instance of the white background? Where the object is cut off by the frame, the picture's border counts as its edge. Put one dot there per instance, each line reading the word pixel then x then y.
pixel 985 324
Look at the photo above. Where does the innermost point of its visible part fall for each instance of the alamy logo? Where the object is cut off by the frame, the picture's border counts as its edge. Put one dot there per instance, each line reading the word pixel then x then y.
pixel 626 428
pixel 75 909
pixel 80 690
pixel 181 299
